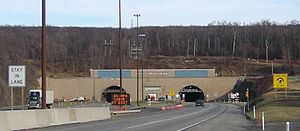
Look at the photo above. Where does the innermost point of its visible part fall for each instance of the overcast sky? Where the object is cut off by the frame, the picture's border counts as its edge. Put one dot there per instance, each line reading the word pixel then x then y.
pixel 104 13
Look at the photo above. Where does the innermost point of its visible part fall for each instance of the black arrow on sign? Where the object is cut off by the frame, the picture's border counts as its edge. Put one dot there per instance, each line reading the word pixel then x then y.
pixel 280 80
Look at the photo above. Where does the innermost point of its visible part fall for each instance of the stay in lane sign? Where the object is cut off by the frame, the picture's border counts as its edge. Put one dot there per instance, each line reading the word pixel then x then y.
pixel 280 80
pixel 16 76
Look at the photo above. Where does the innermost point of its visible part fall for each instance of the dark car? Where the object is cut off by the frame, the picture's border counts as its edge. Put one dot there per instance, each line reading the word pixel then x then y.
pixel 199 103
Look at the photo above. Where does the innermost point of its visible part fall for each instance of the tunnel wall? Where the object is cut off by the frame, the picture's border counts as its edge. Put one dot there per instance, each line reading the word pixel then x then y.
pixel 70 88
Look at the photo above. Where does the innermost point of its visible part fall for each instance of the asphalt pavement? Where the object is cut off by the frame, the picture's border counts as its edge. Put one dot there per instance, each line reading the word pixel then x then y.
pixel 232 119
pixel 212 117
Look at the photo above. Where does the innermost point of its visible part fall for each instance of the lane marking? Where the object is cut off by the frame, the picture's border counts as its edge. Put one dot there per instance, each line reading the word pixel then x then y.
pixel 182 129
pixel 153 122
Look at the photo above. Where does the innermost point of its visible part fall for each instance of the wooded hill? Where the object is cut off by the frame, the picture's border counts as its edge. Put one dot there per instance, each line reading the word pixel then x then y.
pixel 78 49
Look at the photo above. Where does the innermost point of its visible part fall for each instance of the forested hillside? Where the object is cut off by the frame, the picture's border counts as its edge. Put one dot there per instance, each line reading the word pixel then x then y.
pixel 76 49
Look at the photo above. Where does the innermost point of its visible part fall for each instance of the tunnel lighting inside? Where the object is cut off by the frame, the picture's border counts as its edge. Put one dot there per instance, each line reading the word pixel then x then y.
pixel 191 93
pixel 106 95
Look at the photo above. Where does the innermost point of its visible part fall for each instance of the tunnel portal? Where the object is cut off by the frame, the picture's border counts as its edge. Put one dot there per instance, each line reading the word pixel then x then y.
pixel 191 93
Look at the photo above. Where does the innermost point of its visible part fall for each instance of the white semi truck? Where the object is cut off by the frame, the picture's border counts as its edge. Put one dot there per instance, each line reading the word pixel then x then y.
pixel 35 99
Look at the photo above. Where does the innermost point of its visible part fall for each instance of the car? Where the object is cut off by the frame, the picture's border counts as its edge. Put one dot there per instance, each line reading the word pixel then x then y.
pixel 199 103
pixel 77 99
pixel 161 98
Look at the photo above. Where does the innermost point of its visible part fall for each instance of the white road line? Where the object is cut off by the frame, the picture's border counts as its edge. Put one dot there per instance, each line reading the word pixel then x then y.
pixel 182 129
pixel 153 122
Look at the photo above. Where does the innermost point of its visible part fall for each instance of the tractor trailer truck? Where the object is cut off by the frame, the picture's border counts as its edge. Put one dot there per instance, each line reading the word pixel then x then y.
pixel 35 99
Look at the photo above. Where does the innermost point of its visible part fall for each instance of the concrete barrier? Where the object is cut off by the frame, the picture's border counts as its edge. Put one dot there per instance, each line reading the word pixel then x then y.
pixel 44 118
pixel 72 114
pixel 3 121
pixel 29 119
pixel 62 116
pixel 26 119
pixel 105 113
pixel 92 114
pixel 17 120
pixel 87 114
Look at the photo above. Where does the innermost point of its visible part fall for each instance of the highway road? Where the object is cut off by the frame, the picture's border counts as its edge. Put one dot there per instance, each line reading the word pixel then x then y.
pixel 212 117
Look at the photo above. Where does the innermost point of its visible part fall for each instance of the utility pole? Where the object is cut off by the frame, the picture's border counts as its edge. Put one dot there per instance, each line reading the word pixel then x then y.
pixel 267 55
pixel 110 45
pixel 137 59
pixel 188 48
pixel 105 44
pixel 44 54
pixel 195 40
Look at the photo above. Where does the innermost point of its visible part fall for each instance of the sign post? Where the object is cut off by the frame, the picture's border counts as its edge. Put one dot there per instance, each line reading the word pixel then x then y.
pixel 22 95
pixel 16 78
pixel 247 95
pixel 172 94
pixel 12 98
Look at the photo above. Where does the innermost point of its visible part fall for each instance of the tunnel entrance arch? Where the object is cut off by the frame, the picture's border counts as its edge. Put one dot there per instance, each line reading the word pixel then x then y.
pixel 191 93
pixel 106 94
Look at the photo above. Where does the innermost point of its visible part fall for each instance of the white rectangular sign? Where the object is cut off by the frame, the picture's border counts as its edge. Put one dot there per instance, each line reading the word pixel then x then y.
pixel 16 75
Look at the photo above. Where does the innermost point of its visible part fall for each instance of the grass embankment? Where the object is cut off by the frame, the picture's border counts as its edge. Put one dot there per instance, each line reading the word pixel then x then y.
pixel 279 107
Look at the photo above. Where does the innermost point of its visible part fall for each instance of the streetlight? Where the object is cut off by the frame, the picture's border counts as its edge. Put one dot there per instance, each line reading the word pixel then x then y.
pixel 142 46
pixel 137 60
pixel 120 51
pixel 142 65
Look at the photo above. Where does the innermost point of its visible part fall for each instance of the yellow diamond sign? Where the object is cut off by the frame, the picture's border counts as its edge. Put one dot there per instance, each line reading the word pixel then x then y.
pixel 280 80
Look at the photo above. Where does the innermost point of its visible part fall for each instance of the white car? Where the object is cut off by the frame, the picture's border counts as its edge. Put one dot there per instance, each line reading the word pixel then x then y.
pixel 77 99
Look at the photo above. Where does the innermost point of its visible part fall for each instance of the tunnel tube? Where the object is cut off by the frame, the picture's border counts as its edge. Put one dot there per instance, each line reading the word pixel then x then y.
pixel 191 93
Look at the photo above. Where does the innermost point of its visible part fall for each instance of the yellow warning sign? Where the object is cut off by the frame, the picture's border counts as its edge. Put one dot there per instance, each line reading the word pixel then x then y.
pixel 172 93
pixel 280 80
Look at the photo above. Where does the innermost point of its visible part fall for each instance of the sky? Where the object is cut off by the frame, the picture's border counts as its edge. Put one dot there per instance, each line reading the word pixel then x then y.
pixel 104 13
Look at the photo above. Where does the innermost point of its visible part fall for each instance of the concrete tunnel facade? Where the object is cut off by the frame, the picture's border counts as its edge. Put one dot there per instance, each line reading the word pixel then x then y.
pixel 159 82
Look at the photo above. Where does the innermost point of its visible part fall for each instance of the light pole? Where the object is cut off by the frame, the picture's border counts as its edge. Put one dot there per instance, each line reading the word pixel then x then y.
pixel 120 49
pixel 137 60
pixel 142 64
